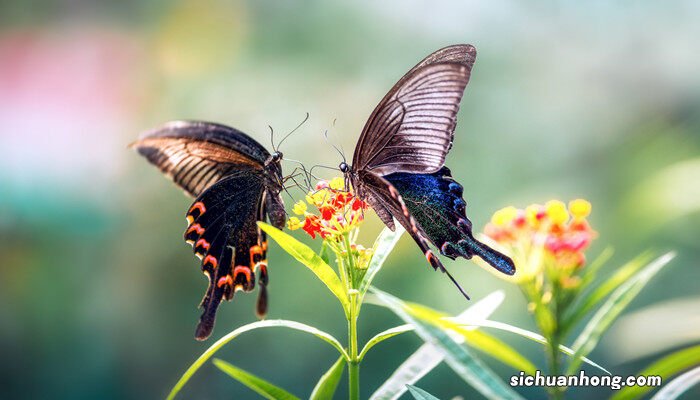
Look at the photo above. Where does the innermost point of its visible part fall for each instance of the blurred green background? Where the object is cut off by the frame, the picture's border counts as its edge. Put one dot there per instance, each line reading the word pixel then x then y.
pixel 98 292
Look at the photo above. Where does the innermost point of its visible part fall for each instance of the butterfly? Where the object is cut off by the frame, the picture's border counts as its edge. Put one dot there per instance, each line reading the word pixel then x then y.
pixel 398 165
pixel 235 182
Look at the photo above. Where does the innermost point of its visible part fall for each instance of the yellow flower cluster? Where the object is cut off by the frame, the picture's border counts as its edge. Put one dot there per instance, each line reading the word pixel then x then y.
pixel 552 234
pixel 339 211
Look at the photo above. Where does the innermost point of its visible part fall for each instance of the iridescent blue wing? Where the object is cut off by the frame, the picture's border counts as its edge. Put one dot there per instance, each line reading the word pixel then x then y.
pixel 435 202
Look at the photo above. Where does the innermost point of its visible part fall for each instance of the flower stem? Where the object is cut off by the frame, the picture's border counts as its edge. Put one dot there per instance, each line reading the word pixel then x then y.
pixel 354 362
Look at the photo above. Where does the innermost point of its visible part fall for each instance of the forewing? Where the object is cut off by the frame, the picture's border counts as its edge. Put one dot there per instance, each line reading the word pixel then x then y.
pixel 196 154
pixel 411 130
pixel 223 232
pixel 459 53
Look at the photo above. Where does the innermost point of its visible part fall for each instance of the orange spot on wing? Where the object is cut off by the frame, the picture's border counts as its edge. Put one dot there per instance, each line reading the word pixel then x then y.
pixel 203 244
pixel 195 228
pixel 241 270
pixel 225 280
pixel 198 206
pixel 210 260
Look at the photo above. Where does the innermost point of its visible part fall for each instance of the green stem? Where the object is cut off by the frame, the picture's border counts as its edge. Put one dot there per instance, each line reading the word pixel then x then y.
pixel 354 362
pixel 351 259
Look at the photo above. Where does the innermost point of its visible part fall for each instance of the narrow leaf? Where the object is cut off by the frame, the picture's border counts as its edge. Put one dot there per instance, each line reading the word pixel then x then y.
pixel 259 385
pixel 465 365
pixel 591 270
pixel 475 339
pixel 246 328
pixel 591 299
pixel 305 255
pixel 326 386
pixel 666 367
pixel 535 337
pixel 382 248
pixel 429 356
pixel 381 336
pixel 612 308
pixel 420 394
pixel 678 386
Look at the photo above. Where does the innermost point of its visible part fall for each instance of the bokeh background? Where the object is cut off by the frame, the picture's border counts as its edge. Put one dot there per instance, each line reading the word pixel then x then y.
pixel 98 292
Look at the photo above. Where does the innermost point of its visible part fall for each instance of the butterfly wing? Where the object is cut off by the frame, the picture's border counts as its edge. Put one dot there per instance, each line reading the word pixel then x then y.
pixel 435 201
pixel 412 128
pixel 382 195
pixel 225 170
pixel 195 154
pixel 223 233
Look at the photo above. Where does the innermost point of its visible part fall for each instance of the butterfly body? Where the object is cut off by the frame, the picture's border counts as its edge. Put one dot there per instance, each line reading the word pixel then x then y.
pixel 398 163
pixel 236 182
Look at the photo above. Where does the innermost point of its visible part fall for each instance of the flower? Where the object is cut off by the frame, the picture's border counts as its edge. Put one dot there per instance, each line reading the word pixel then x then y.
pixel 339 211
pixel 299 208
pixel 543 236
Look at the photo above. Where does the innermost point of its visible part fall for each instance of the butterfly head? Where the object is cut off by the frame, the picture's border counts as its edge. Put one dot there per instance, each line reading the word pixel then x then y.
pixel 344 167
pixel 274 158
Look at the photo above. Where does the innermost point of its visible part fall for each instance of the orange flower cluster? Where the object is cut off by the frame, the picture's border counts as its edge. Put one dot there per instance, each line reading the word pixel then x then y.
pixel 560 232
pixel 339 211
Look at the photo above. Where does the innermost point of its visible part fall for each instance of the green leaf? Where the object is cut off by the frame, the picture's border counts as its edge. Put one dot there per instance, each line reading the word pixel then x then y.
pixel 666 367
pixel 326 386
pixel 324 253
pixel 468 367
pixel 310 259
pixel 591 270
pixel 387 334
pixel 428 356
pixel 535 337
pixel 475 339
pixel 678 386
pixel 246 328
pixel 382 248
pixel 260 386
pixel 591 299
pixel 420 394
pixel 612 308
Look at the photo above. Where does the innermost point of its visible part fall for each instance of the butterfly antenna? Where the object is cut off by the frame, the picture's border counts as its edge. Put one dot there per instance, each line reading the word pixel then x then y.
pixel 272 138
pixel 455 282
pixel 293 130
pixel 339 150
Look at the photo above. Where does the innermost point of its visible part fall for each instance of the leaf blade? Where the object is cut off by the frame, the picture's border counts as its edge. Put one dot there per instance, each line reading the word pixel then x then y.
pixel 246 328
pixel 612 308
pixel 258 385
pixel 462 362
pixel 666 367
pixel 326 386
pixel 590 299
pixel 383 246
pixel 306 256
pixel 428 356
pixel 420 394
pixel 679 385
pixel 382 336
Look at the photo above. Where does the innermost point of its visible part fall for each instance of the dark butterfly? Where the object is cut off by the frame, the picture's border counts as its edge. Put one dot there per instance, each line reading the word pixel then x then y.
pixel 398 165
pixel 236 182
